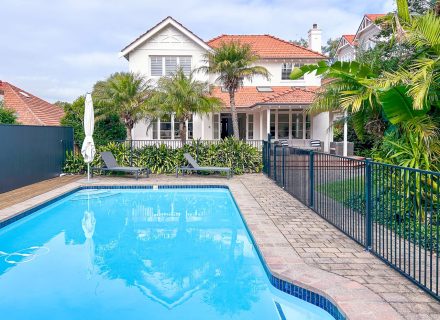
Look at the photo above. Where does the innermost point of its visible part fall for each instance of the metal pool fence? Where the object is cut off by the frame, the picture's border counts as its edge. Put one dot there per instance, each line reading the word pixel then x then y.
pixel 392 211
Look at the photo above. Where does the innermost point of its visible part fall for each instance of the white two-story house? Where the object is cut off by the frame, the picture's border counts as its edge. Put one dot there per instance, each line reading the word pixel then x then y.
pixel 363 39
pixel 277 106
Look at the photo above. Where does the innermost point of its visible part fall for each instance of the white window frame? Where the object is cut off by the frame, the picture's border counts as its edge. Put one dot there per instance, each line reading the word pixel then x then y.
pixel 219 126
pixel 173 136
pixel 163 57
pixel 275 112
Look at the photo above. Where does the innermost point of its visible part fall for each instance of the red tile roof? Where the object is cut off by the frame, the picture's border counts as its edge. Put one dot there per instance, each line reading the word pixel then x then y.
pixel 247 97
pixel 349 38
pixel 267 46
pixel 374 16
pixel 30 109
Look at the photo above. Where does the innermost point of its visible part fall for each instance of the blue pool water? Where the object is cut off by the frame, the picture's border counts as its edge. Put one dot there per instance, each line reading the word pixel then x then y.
pixel 139 254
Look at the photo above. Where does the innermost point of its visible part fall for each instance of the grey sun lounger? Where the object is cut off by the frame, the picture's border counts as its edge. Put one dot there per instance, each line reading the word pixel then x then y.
pixel 194 166
pixel 112 165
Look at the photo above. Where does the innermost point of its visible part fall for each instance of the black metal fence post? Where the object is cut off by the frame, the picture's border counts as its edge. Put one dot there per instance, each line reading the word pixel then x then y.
pixel 312 178
pixel 368 194
pixel 269 137
pixel 275 162
pixel 284 167
pixel 131 153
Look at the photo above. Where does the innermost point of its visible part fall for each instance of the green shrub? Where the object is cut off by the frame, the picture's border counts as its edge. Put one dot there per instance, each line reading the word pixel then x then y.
pixel 161 159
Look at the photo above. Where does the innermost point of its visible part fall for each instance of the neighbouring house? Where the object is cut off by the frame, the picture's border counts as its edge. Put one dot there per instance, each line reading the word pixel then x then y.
pixel 363 39
pixel 30 110
pixel 277 106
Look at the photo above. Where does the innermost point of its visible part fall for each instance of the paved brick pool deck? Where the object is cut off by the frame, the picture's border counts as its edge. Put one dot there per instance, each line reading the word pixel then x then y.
pixel 297 245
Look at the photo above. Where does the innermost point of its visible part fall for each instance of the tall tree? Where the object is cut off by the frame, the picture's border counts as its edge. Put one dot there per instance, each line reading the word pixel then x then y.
pixel 108 127
pixel 301 42
pixel 232 63
pixel 330 48
pixel 182 96
pixel 126 94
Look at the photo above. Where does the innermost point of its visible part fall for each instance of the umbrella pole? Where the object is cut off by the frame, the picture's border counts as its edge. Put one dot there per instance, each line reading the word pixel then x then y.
pixel 88 171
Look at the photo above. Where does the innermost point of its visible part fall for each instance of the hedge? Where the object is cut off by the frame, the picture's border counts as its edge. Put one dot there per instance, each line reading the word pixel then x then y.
pixel 161 159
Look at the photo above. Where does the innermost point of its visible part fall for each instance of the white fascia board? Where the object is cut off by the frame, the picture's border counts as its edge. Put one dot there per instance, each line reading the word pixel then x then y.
pixel 156 29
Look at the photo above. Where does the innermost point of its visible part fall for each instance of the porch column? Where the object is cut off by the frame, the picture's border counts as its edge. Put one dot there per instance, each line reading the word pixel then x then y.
pixel 203 126
pixel 268 121
pixel 172 126
pixel 261 125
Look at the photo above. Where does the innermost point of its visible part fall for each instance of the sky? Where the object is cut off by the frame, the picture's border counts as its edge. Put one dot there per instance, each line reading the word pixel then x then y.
pixel 57 49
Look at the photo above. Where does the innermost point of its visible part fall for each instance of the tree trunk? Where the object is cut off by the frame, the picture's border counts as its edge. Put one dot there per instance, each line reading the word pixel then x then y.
pixel 129 137
pixel 182 131
pixel 234 114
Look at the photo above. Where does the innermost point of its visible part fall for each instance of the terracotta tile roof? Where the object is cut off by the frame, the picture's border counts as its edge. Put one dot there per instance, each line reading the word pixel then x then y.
pixel 267 46
pixel 374 16
pixel 349 38
pixel 247 97
pixel 30 109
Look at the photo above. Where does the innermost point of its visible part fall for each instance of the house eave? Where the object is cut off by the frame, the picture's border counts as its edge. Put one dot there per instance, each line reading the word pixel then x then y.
pixel 147 35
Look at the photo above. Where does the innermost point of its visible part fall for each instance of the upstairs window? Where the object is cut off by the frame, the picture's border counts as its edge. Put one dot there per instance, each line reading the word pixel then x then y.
pixel 185 64
pixel 168 65
pixel 286 70
pixel 156 66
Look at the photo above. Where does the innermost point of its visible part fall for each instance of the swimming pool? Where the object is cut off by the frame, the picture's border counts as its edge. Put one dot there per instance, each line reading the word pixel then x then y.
pixel 130 253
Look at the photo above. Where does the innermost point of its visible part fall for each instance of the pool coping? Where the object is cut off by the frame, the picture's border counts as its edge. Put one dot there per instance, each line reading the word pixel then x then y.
pixel 288 271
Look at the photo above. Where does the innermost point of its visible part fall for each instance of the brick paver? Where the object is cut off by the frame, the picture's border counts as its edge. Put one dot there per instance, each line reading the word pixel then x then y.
pixel 321 245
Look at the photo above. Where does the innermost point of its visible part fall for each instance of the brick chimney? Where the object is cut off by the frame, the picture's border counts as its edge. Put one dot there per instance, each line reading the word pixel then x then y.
pixel 315 38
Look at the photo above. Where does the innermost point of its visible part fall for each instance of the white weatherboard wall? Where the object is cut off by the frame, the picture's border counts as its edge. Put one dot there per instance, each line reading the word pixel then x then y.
pixel 167 42
pixel 346 53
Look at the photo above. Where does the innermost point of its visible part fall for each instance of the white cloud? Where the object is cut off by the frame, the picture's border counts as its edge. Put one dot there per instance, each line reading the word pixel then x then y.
pixel 94 60
pixel 63 47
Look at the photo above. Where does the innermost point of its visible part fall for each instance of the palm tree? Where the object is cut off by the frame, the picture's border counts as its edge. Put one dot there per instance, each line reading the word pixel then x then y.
pixel 182 96
pixel 126 94
pixel 232 63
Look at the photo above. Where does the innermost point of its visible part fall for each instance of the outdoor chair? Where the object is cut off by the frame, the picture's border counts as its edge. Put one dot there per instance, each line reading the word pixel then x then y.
pixel 194 166
pixel 112 165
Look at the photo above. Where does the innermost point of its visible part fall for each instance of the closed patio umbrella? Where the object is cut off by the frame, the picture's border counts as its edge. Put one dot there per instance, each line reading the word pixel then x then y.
pixel 88 147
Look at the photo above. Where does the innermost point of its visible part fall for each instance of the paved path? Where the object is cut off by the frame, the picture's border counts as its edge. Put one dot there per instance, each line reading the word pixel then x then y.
pixel 321 245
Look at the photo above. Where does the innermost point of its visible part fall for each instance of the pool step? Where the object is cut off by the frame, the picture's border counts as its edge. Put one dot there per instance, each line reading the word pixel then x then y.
pixel 92 194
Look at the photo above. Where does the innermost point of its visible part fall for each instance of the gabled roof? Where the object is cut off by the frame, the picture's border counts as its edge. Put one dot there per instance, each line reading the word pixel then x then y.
pixel 154 30
pixel 247 97
pixel 268 46
pixel 30 109
pixel 374 16
pixel 349 39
